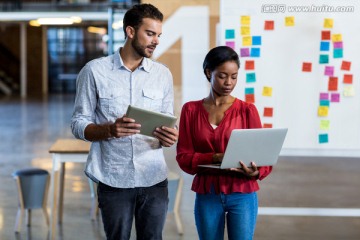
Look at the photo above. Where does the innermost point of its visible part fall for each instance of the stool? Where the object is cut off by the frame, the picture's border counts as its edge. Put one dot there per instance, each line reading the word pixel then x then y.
pixel 32 185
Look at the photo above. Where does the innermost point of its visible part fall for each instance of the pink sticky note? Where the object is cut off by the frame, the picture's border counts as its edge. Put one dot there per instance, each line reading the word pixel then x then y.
pixel 338 44
pixel 324 96
pixel 335 97
pixel 329 71
pixel 244 52
pixel 230 44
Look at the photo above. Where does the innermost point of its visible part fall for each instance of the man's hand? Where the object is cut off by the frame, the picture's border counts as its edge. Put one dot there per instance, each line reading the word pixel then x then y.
pixel 167 136
pixel 123 127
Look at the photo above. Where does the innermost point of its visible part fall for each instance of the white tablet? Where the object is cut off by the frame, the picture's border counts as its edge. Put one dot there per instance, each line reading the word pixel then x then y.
pixel 150 120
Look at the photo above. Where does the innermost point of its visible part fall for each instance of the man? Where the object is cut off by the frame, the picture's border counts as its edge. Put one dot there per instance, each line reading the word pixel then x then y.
pixel 129 167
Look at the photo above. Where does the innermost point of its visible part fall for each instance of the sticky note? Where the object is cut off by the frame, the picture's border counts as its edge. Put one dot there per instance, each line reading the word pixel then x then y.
pixel 345 65
pixel 325 103
pixel 335 97
pixel 324 46
pixel 290 21
pixel 348 78
pixel 267 91
pixel 329 71
pixel 336 37
pixel 250 77
pixel 328 23
pixel 255 52
pixel 324 58
pixel 229 34
pixel 245 30
pixel 323 138
pixel 244 52
pixel 338 44
pixel 324 124
pixel 256 40
pixel 230 44
pixel 338 53
pixel 325 35
pixel 245 20
pixel 333 84
pixel 306 67
pixel 349 91
pixel 268 111
pixel 323 111
pixel 269 25
pixel 247 41
pixel 249 65
pixel 250 98
pixel 324 96
pixel 267 125
pixel 249 91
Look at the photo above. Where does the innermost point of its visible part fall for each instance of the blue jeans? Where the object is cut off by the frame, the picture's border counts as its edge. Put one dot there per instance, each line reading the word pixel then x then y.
pixel 119 205
pixel 239 209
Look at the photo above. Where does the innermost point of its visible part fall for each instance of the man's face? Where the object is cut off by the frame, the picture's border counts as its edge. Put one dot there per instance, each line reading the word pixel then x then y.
pixel 146 38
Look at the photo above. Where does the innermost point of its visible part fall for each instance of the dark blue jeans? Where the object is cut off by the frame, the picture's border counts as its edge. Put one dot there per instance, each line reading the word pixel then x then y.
pixel 119 206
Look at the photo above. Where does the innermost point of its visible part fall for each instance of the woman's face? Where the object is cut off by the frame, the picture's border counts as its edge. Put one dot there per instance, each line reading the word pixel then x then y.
pixel 223 79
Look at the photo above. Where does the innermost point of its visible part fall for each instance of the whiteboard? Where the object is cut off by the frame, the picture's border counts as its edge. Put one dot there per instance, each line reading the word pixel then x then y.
pixel 295 95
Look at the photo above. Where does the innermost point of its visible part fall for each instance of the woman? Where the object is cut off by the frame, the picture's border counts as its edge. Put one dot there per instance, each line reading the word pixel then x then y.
pixel 205 128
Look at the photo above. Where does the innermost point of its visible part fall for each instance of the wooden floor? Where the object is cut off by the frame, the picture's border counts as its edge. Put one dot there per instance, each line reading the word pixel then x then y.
pixel 304 198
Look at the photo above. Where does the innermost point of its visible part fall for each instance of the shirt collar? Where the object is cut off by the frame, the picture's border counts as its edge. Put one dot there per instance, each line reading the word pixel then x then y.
pixel 118 62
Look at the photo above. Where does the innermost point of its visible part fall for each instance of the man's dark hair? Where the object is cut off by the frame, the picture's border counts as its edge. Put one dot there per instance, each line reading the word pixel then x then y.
pixel 134 16
pixel 217 56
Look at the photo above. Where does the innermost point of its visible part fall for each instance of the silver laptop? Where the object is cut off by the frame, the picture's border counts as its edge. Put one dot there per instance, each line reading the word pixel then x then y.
pixel 261 146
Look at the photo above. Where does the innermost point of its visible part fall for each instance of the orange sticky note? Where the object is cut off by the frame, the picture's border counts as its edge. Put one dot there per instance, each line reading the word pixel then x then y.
pixel 345 65
pixel 250 98
pixel 249 65
pixel 269 25
pixel 306 67
pixel 268 111
pixel 333 84
pixel 267 125
pixel 348 78
pixel 325 35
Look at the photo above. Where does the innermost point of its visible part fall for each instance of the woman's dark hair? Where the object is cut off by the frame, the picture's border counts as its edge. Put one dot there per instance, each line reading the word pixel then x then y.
pixel 134 16
pixel 217 56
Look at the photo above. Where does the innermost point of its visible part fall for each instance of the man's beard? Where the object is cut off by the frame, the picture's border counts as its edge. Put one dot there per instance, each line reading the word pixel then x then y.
pixel 140 49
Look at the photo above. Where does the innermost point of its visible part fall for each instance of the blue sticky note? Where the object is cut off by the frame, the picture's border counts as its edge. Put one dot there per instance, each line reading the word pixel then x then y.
pixel 229 33
pixel 338 53
pixel 256 40
pixel 250 77
pixel 249 91
pixel 324 46
pixel 325 103
pixel 324 58
pixel 255 52
pixel 323 138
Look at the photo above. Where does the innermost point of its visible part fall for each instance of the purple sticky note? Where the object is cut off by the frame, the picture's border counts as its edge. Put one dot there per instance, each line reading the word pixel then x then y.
pixel 230 44
pixel 244 52
pixel 329 71
pixel 335 97
pixel 338 45
pixel 324 96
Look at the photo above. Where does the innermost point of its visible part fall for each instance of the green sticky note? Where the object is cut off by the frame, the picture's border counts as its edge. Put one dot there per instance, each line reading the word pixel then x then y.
pixel 324 124
pixel 229 33
pixel 324 58
pixel 323 138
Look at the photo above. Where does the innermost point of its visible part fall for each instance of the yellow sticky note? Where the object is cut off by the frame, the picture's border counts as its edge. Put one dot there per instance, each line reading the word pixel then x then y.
pixel 245 20
pixel 247 41
pixel 324 124
pixel 328 23
pixel 336 38
pixel 323 111
pixel 245 30
pixel 289 21
pixel 267 91
pixel 349 91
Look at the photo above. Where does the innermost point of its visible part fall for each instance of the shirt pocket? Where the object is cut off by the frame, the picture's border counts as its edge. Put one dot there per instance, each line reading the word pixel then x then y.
pixel 112 102
pixel 153 99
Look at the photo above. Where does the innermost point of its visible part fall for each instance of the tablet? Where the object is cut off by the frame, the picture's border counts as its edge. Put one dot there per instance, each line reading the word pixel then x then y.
pixel 150 120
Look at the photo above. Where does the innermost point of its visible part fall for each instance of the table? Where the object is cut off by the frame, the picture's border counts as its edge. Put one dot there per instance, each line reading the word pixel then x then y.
pixel 63 151
pixel 76 151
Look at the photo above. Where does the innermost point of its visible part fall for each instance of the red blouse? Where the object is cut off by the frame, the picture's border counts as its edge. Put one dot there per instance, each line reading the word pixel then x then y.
pixel 198 141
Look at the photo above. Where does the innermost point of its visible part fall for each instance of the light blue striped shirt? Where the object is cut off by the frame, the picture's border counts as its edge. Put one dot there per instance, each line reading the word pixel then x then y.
pixel 104 89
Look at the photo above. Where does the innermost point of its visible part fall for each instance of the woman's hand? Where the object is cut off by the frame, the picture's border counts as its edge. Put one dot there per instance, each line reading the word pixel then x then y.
pixel 249 172
pixel 217 158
